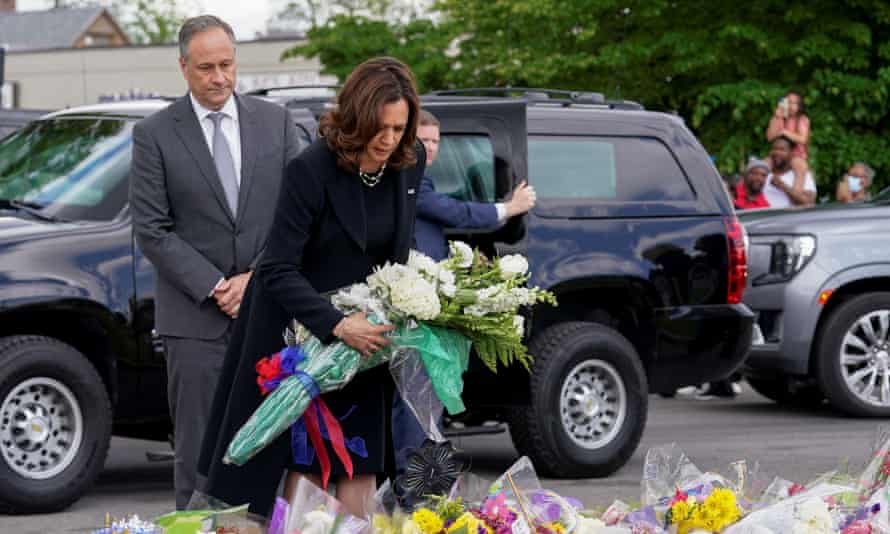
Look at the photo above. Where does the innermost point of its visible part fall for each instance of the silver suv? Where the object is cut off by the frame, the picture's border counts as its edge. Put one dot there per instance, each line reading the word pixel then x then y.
pixel 819 282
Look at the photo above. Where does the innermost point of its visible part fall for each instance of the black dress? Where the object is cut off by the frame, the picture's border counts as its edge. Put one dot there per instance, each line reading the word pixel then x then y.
pixel 329 231
pixel 365 399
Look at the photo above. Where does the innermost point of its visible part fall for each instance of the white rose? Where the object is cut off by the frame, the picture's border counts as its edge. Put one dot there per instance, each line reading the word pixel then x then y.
pixel 513 265
pixel 814 518
pixel 383 278
pixel 422 263
pixel 519 324
pixel 462 252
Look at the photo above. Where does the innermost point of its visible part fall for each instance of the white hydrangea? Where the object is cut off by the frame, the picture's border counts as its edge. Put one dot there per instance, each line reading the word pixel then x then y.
pixel 513 266
pixel 462 252
pixel 414 296
pixel 383 278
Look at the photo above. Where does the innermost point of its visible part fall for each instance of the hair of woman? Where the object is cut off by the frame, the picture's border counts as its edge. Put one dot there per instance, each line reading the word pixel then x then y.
pixel 354 121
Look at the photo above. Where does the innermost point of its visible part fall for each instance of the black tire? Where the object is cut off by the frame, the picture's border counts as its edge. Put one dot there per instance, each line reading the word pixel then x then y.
pixel 780 391
pixel 828 368
pixel 48 363
pixel 538 430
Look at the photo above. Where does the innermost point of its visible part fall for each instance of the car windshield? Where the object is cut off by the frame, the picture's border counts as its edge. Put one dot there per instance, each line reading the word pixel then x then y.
pixel 71 168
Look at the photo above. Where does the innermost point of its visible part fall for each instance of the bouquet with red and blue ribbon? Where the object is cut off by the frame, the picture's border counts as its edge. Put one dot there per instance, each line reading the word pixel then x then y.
pixel 318 423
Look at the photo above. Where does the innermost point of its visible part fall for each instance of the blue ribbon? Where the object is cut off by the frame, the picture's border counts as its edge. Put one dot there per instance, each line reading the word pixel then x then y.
pixel 303 453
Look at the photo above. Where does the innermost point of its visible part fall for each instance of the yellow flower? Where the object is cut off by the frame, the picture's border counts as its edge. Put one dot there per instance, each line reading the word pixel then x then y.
pixel 470 521
pixel 428 521
pixel 556 527
pixel 679 511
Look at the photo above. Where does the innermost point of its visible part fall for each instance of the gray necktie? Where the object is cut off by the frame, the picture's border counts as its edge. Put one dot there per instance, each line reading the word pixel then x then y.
pixel 225 165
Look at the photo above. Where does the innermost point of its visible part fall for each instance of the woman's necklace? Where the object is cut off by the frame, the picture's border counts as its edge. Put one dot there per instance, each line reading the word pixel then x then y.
pixel 370 179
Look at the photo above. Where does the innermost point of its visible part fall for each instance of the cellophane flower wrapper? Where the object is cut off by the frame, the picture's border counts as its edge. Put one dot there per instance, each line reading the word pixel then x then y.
pixel 798 514
pixel 522 491
pixel 667 469
pixel 333 366
pixel 207 514
pixel 314 511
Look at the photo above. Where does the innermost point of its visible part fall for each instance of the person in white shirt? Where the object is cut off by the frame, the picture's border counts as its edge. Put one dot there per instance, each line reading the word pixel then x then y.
pixel 779 190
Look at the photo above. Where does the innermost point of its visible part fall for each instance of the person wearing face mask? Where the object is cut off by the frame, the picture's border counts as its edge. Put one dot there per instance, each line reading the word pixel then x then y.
pixel 853 187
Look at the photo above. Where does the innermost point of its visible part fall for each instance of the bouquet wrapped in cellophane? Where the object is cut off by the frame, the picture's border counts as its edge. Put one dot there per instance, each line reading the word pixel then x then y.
pixel 439 310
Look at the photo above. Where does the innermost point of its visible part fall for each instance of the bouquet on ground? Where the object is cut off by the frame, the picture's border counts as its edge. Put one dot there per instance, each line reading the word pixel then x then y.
pixel 513 504
pixel 439 310
pixel 313 511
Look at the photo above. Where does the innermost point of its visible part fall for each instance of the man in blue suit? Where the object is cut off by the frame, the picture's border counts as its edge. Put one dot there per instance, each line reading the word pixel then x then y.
pixel 435 212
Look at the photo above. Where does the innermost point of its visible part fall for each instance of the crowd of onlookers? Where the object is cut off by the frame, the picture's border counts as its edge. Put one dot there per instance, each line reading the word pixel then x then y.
pixel 783 178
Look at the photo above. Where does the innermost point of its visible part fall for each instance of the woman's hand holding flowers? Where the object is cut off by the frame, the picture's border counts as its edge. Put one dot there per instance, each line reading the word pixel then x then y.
pixel 358 333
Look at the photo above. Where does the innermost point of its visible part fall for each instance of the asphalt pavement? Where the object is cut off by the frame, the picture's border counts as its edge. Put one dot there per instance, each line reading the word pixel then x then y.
pixel 797 444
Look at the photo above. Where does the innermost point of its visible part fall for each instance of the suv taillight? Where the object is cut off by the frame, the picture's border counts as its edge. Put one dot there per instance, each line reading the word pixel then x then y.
pixel 738 260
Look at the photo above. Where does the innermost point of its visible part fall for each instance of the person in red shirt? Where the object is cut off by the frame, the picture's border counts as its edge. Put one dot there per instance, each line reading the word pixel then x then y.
pixel 749 190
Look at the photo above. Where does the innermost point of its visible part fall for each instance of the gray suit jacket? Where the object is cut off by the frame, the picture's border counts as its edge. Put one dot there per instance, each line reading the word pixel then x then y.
pixel 181 219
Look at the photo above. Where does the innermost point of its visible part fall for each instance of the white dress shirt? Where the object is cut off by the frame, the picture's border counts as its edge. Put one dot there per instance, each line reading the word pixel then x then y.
pixel 230 128
pixel 232 134
pixel 778 198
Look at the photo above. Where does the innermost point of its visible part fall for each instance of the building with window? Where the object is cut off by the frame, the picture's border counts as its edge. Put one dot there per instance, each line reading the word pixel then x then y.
pixel 66 57
pixel 69 27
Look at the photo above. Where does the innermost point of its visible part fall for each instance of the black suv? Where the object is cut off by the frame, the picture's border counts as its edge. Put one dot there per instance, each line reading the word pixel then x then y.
pixel 633 231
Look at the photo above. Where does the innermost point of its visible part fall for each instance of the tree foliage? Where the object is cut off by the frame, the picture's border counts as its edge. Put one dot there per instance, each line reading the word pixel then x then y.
pixel 722 70
pixel 154 21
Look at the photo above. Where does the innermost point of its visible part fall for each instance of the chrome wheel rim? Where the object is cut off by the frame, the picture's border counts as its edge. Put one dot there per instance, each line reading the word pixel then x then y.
pixel 865 358
pixel 41 428
pixel 592 404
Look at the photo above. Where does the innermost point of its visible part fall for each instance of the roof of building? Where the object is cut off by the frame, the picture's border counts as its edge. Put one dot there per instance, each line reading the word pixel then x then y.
pixel 47 29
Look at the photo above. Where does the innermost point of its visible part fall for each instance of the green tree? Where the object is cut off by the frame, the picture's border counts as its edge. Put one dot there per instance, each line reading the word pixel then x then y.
pixel 154 21
pixel 722 70
pixel 344 41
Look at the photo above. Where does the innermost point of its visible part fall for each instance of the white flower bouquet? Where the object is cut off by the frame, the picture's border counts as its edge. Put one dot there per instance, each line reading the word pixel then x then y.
pixel 439 309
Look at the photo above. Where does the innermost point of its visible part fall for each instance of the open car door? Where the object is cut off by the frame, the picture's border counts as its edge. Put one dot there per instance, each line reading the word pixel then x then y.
pixel 483 155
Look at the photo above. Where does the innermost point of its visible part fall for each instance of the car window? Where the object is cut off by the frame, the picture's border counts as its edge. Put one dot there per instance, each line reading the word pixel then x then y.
pixel 605 168
pixel 464 168
pixel 72 168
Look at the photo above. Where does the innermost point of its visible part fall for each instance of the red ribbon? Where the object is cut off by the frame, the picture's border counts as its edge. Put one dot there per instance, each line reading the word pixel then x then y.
pixel 335 435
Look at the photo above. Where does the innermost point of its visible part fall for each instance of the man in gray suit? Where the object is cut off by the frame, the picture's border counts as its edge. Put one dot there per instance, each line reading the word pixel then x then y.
pixel 205 178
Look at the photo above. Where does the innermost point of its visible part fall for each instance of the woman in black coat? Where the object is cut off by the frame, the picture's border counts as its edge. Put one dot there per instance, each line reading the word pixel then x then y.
pixel 347 204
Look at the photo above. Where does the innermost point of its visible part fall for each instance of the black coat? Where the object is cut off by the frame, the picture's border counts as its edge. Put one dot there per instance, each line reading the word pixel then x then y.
pixel 316 244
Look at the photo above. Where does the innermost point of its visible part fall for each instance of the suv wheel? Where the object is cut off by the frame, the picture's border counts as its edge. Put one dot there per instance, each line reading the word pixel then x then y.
pixel 55 424
pixel 588 402
pixel 853 358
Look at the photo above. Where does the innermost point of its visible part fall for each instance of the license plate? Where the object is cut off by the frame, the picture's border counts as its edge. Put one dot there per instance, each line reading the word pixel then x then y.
pixel 757 336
